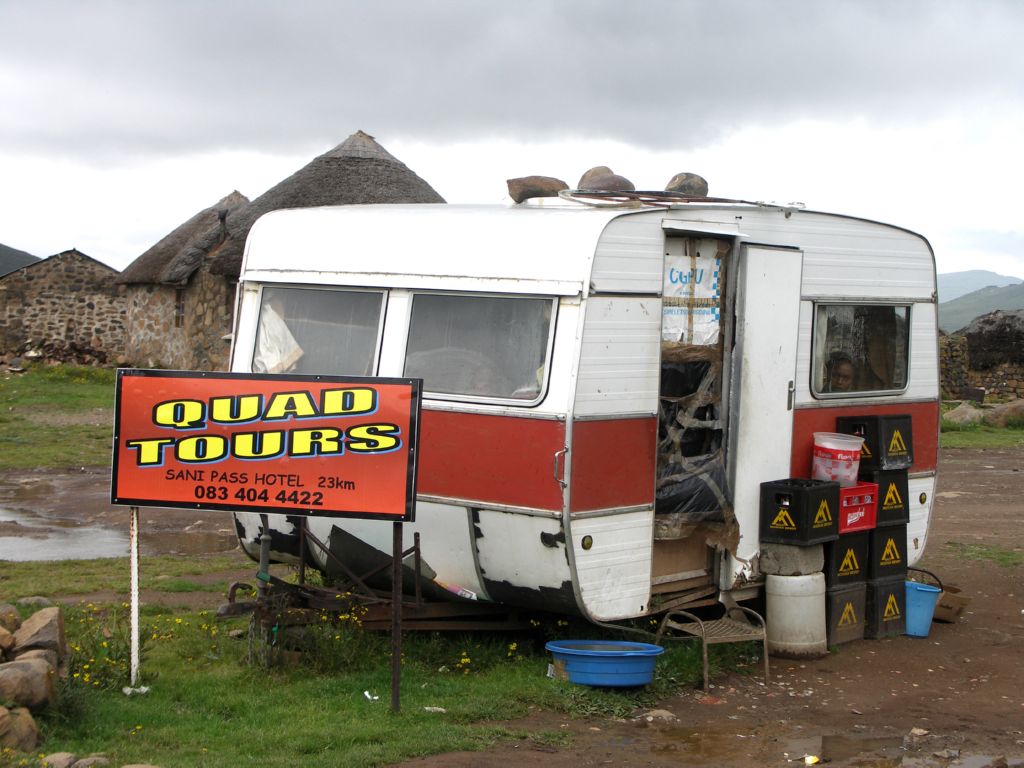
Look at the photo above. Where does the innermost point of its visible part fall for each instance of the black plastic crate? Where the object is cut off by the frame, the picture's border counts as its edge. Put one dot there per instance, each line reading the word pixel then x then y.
pixel 846 559
pixel 893 495
pixel 887 552
pixel 886 608
pixel 800 512
pixel 844 613
pixel 888 440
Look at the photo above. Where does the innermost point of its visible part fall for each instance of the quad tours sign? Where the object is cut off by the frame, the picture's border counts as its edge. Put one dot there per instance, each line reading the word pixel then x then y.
pixel 301 445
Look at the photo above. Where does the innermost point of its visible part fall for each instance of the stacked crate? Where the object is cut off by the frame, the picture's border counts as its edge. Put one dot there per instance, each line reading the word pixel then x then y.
pixel 886 457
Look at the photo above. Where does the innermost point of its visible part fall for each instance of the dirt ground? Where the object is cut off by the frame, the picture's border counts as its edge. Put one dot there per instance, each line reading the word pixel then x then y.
pixel 954 698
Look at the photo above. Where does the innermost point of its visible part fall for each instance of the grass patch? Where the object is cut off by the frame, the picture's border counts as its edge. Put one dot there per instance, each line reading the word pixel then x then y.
pixel 168 573
pixel 208 706
pixel 980 436
pixel 56 416
pixel 1006 558
pixel 212 703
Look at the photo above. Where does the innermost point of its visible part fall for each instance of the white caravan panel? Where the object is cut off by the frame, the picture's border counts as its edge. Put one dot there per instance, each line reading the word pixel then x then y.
pixel 764 371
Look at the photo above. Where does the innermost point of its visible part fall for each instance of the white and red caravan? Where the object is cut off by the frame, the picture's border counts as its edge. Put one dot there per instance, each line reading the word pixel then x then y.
pixel 606 386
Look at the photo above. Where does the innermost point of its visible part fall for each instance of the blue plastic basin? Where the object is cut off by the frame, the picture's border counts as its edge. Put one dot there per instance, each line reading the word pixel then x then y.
pixel 606 662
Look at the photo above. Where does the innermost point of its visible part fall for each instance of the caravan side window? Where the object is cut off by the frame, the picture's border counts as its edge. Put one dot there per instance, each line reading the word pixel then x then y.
pixel 319 331
pixel 859 349
pixel 479 346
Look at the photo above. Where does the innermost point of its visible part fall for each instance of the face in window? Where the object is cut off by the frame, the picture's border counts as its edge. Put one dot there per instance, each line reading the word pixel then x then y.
pixel 841 374
pixel 860 349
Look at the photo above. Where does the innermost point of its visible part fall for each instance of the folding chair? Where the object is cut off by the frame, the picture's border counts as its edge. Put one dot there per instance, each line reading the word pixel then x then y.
pixel 733 627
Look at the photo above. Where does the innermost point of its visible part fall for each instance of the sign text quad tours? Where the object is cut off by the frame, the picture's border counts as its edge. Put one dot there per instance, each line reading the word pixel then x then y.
pixel 301 445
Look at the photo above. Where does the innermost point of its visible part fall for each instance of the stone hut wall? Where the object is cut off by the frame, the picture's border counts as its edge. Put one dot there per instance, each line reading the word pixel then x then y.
pixel 953 366
pixel 181 328
pixel 1003 381
pixel 66 302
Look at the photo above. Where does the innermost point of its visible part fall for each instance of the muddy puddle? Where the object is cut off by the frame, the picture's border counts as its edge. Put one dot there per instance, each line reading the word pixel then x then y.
pixel 24 537
pixel 735 745
pixel 68 515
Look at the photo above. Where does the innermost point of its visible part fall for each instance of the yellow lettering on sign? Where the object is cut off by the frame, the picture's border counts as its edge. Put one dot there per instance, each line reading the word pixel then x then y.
pixel 891 554
pixel 849 564
pixel 896 445
pixel 824 517
pixel 892 609
pixel 201 448
pixel 285 404
pixel 374 438
pixel 892 497
pixel 349 401
pixel 783 521
pixel 180 414
pixel 229 410
pixel 865 452
pixel 325 441
pixel 849 617
pixel 151 451
pixel 258 445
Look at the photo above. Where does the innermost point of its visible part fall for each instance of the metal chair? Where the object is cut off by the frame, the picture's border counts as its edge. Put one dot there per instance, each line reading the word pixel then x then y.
pixel 733 627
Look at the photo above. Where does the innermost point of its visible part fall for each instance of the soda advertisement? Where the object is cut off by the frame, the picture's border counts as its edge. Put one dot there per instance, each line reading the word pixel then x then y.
pixel 299 445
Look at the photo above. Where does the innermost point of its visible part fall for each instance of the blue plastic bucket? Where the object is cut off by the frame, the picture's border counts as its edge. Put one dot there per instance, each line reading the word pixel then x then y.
pixel 921 600
pixel 616 663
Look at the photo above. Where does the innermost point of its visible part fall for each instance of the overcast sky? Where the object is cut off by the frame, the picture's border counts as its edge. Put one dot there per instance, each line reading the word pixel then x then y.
pixel 121 119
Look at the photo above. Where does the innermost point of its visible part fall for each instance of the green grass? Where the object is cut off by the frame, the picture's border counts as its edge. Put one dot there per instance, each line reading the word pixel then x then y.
pixel 59 416
pixel 209 706
pixel 166 573
pixel 1006 558
pixel 980 436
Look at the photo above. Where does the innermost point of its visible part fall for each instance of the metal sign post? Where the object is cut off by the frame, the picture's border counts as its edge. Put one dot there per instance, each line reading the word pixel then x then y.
pixel 133 564
pixel 396 616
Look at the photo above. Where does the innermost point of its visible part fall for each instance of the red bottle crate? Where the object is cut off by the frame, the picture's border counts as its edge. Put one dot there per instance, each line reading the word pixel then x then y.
pixel 858 507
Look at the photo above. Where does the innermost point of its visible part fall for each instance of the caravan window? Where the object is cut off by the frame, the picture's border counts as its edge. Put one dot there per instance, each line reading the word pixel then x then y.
pixel 327 332
pixel 859 349
pixel 479 346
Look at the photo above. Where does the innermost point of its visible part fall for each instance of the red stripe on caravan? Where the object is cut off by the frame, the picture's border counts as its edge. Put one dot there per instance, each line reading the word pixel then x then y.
pixel 497 459
pixel 613 463
pixel 924 423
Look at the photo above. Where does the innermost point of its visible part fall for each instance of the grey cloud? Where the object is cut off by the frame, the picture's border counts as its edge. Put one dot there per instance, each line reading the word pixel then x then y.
pixel 103 79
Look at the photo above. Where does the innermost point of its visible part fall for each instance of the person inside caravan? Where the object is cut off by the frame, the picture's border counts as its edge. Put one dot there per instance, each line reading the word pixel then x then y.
pixel 841 372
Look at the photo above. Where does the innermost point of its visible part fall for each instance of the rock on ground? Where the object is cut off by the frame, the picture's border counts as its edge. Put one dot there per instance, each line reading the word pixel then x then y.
pixel 965 414
pixel 28 683
pixel 18 730
pixel 43 629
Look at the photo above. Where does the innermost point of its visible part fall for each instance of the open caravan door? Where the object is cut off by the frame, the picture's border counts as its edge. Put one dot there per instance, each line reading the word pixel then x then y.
pixel 762 392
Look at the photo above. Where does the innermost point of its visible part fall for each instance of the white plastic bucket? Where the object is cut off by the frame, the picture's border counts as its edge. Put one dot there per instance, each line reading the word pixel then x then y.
pixel 836 457
pixel 796 615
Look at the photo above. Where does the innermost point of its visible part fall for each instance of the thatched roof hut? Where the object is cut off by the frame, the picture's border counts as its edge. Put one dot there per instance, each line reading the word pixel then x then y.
pixel 359 170
pixel 174 259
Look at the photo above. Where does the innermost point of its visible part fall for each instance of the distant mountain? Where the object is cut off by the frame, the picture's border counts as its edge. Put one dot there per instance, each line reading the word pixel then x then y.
pixel 956 314
pixel 12 259
pixel 953 285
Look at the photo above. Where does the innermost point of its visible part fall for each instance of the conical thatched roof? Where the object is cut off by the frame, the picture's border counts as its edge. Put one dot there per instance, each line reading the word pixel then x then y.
pixel 173 260
pixel 359 170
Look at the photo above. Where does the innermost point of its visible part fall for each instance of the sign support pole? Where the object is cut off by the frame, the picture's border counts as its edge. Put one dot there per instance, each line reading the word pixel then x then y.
pixel 396 616
pixel 133 564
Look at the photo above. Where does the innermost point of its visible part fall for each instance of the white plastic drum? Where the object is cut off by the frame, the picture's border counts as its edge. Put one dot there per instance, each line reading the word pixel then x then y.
pixel 836 457
pixel 796 616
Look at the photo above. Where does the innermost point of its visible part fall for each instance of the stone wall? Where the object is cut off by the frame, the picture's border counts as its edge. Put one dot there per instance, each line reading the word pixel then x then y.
pixel 66 301
pixel 953 366
pixel 161 337
pixel 1005 380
